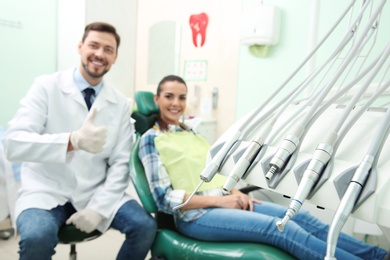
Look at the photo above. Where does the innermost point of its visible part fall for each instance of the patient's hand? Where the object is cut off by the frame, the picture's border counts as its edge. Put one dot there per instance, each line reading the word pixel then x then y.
pixel 237 200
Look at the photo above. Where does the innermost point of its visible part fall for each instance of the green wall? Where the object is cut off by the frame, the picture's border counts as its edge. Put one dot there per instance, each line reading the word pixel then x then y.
pixel 258 78
pixel 25 52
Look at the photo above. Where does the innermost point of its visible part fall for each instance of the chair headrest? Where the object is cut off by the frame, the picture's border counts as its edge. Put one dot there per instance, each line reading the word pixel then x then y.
pixel 147 112
pixel 143 123
pixel 145 103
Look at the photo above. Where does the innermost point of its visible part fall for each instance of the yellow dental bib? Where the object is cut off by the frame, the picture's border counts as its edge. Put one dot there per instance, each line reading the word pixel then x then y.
pixel 184 156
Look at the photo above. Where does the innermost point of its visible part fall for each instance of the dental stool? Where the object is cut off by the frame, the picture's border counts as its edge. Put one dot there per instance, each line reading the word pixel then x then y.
pixel 169 244
pixel 69 234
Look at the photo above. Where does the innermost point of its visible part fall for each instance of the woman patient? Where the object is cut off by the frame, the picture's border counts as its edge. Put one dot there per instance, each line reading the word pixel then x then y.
pixel 173 157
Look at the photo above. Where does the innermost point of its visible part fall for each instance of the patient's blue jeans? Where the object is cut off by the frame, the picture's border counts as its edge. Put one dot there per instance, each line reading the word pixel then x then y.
pixel 38 230
pixel 304 235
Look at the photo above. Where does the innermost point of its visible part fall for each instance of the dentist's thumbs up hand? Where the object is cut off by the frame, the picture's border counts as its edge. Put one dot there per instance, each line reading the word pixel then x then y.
pixel 89 137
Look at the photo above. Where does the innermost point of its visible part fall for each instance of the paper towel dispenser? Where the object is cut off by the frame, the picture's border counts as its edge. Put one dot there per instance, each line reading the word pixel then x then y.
pixel 261 26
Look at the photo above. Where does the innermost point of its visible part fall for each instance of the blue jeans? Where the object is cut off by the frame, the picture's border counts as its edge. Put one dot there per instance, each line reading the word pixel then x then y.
pixel 38 230
pixel 304 236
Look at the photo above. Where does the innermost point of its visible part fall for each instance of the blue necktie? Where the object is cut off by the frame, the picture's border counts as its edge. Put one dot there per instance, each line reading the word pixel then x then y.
pixel 88 92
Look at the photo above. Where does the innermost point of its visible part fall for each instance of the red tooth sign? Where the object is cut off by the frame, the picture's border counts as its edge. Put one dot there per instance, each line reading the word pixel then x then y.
pixel 198 24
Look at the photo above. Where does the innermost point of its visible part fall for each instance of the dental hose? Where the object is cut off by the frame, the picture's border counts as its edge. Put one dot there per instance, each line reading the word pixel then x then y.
pixel 315 168
pixel 355 187
pixel 320 157
pixel 292 141
pixel 309 179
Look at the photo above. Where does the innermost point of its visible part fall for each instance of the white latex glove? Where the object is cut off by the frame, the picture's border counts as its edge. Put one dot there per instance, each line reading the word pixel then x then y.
pixel 89 137
pixel 86 220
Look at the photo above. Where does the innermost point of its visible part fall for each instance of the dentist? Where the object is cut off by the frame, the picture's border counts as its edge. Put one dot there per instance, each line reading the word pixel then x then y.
pixel 75 160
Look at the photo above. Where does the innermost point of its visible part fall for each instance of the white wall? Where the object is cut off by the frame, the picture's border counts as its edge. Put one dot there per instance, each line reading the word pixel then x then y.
pixel 122 15
pixel 69 32
pixel 26 50
pixel 220 51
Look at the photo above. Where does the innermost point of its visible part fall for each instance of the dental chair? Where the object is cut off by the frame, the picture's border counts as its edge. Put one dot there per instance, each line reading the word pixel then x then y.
pixel 169 243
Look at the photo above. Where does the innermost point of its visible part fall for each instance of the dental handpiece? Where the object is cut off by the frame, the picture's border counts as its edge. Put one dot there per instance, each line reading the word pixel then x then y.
pixel 281 156
pixel 280 224
pixel 284 152
pixel 212 167
pixel 247 158
pixel 340 218
pixel 189 198
pixel 347 204
pixel 309 179
pixel 207 175
pixel 296 203
pixel 242 165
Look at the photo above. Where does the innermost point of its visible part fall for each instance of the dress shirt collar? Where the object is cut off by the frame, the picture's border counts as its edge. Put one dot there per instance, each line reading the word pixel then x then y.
pixel 83 84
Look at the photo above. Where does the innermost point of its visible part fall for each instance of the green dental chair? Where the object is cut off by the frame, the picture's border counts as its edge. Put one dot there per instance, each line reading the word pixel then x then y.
pixel 169 244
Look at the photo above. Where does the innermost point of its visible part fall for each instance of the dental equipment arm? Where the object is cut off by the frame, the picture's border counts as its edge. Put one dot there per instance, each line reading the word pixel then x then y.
pixel 336 96
pixel 355 187
pixel 326 104
pixel 247 159
pixel 325 150
pixel 253 149
pixel 290 143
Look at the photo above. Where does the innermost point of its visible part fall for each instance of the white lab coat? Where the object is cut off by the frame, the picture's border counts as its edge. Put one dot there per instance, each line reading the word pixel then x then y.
pixel 38 135
pixel 4 207
pixel 9 184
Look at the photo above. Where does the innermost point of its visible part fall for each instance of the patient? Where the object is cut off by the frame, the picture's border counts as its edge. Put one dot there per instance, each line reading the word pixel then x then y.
pixel 212 214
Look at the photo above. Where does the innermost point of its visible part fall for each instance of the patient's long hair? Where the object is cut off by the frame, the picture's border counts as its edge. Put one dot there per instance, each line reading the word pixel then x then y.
pixel 161 123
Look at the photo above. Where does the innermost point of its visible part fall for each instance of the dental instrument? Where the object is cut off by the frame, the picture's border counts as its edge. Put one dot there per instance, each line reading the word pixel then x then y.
pixel 288 147
pixel 326 150
pixel 362 173
pixel 252 152
pixel 248 157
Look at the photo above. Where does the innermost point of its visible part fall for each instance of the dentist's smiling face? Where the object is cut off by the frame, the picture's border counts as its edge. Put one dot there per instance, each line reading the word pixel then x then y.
pixel 98 52
pixel 172 101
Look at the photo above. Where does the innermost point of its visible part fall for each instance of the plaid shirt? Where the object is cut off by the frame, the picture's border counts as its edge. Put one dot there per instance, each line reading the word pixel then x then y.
pixel 159 183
